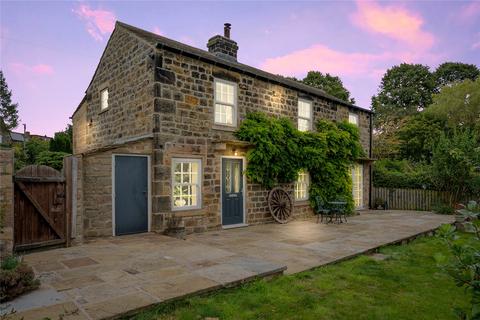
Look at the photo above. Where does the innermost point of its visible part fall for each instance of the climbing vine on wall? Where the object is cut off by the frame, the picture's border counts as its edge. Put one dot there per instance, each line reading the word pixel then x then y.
pixel 280 151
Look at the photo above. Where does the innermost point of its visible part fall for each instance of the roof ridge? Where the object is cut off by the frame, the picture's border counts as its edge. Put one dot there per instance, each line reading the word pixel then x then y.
pixel 161 41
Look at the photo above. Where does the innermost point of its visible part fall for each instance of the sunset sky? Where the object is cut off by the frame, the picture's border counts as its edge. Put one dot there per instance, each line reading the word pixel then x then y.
pixel 49 50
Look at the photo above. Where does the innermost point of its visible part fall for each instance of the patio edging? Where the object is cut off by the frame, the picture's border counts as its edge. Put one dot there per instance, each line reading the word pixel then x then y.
pixel 265 275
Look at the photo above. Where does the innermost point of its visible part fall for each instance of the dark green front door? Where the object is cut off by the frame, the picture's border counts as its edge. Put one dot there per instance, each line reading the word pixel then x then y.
pixel 232 191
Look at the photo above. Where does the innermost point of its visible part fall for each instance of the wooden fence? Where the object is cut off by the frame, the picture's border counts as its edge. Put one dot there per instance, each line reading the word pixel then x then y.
pixel 409 199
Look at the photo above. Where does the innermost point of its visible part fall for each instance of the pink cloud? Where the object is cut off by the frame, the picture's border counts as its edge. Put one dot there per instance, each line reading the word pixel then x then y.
pixel 99 22
pixel 38 69
pixel 42 69
pixel 325 59
pixel 394 22
pixel 470 11
pixel 157 30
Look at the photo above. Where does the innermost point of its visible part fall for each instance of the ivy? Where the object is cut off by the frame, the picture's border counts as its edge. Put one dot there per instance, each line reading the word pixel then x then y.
pixel 280 151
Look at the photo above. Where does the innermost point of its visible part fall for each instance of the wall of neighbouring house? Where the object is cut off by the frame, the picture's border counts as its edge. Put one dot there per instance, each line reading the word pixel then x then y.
pixel 6 202
pixel 183 110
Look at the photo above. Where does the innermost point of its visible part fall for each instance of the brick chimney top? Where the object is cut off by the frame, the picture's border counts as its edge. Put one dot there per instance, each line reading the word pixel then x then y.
pixel 222 46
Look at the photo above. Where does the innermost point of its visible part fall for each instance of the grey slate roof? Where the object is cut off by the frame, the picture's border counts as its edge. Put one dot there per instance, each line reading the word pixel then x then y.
pixel 17 137
pixel 172 45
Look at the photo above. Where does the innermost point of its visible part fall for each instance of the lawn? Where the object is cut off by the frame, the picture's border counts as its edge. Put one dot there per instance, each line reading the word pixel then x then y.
pixel 408 284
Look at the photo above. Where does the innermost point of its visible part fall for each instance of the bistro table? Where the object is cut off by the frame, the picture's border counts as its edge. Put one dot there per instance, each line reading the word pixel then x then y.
pixel 338 209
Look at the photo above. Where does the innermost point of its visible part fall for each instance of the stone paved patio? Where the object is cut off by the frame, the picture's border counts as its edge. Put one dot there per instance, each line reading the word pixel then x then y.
pixel 111 276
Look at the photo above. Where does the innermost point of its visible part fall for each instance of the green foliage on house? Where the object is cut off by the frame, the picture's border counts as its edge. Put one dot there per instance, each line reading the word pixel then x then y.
pixel 280 151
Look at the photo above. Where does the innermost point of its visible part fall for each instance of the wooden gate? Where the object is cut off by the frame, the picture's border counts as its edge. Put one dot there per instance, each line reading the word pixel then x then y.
pixel 40 208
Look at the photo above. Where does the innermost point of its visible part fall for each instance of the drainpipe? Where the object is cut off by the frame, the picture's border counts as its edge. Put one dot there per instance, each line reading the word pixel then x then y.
pixel 370 169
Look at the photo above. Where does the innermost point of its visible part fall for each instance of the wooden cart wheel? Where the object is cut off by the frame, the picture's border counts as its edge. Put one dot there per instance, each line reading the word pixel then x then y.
pixel 280 205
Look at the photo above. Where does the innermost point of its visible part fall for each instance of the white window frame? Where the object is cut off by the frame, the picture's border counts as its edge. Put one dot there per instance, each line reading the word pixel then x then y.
pixel 307 186
pixel 360 181
pixel 234 105
pixel 199 184
pixel 102 107
pixel 310 119
pixel 355 116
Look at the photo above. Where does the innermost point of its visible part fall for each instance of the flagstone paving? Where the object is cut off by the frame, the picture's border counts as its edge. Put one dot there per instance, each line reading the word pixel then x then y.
pixel 110 276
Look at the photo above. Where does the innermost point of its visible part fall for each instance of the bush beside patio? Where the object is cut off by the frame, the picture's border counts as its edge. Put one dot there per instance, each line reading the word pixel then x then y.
pixel 16 278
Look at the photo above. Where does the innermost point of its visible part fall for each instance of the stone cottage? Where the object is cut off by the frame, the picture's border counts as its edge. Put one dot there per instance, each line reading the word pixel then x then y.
pixel 153 136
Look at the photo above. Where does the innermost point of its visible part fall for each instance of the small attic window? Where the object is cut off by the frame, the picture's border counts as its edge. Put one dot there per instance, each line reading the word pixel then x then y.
pixel 104 99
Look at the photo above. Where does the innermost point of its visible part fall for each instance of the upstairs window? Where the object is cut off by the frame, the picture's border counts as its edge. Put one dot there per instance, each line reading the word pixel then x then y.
pixel 104 99
pixel 301 186
pixel 305 115
pixel 353 118
pixel 186 183
pixel 225 103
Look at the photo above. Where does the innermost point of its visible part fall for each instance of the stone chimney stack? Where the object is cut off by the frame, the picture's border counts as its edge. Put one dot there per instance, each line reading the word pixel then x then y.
pixel 223 46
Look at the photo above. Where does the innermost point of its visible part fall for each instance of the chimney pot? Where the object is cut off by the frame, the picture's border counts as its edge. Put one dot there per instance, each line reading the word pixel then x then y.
pixel 226 30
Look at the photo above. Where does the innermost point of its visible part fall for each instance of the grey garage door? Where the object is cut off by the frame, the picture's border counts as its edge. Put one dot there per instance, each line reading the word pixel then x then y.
pixel 131 194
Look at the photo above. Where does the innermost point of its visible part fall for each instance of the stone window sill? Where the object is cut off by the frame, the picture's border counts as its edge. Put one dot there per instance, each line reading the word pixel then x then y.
pixel 189 212
pixel 103 111
pixel 301 202
pixel 224 128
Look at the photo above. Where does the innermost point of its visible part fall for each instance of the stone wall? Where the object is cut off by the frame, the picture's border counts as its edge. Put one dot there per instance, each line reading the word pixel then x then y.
pixel 6 202
pixel 126 69
pixel 169 97
pixel 96 170
pixel 184 116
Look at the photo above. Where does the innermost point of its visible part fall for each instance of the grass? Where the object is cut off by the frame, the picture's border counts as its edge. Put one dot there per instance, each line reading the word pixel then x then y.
pixel 409 284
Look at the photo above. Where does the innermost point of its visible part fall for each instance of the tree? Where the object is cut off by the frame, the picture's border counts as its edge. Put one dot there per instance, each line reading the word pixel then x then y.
pixel 458 105
pixel 62 141
pixel 405 90
pixel 418 137
pixel 332 85
pixel 33 148
pixel 8 109
pixel 385 142
pixel 455 160
pixel 51 159
pixel 449 73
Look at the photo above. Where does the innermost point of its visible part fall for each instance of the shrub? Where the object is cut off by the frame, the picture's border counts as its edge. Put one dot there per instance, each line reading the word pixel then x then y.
pixel 401 174
pixel 281 151
pixel 454 163
pixel 51 159
pixel 464 268
pixel 443 208
pixel 16 278
pixel 10 263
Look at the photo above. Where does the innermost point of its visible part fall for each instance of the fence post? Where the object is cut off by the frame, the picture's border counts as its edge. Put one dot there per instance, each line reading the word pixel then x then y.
pixel 6 202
